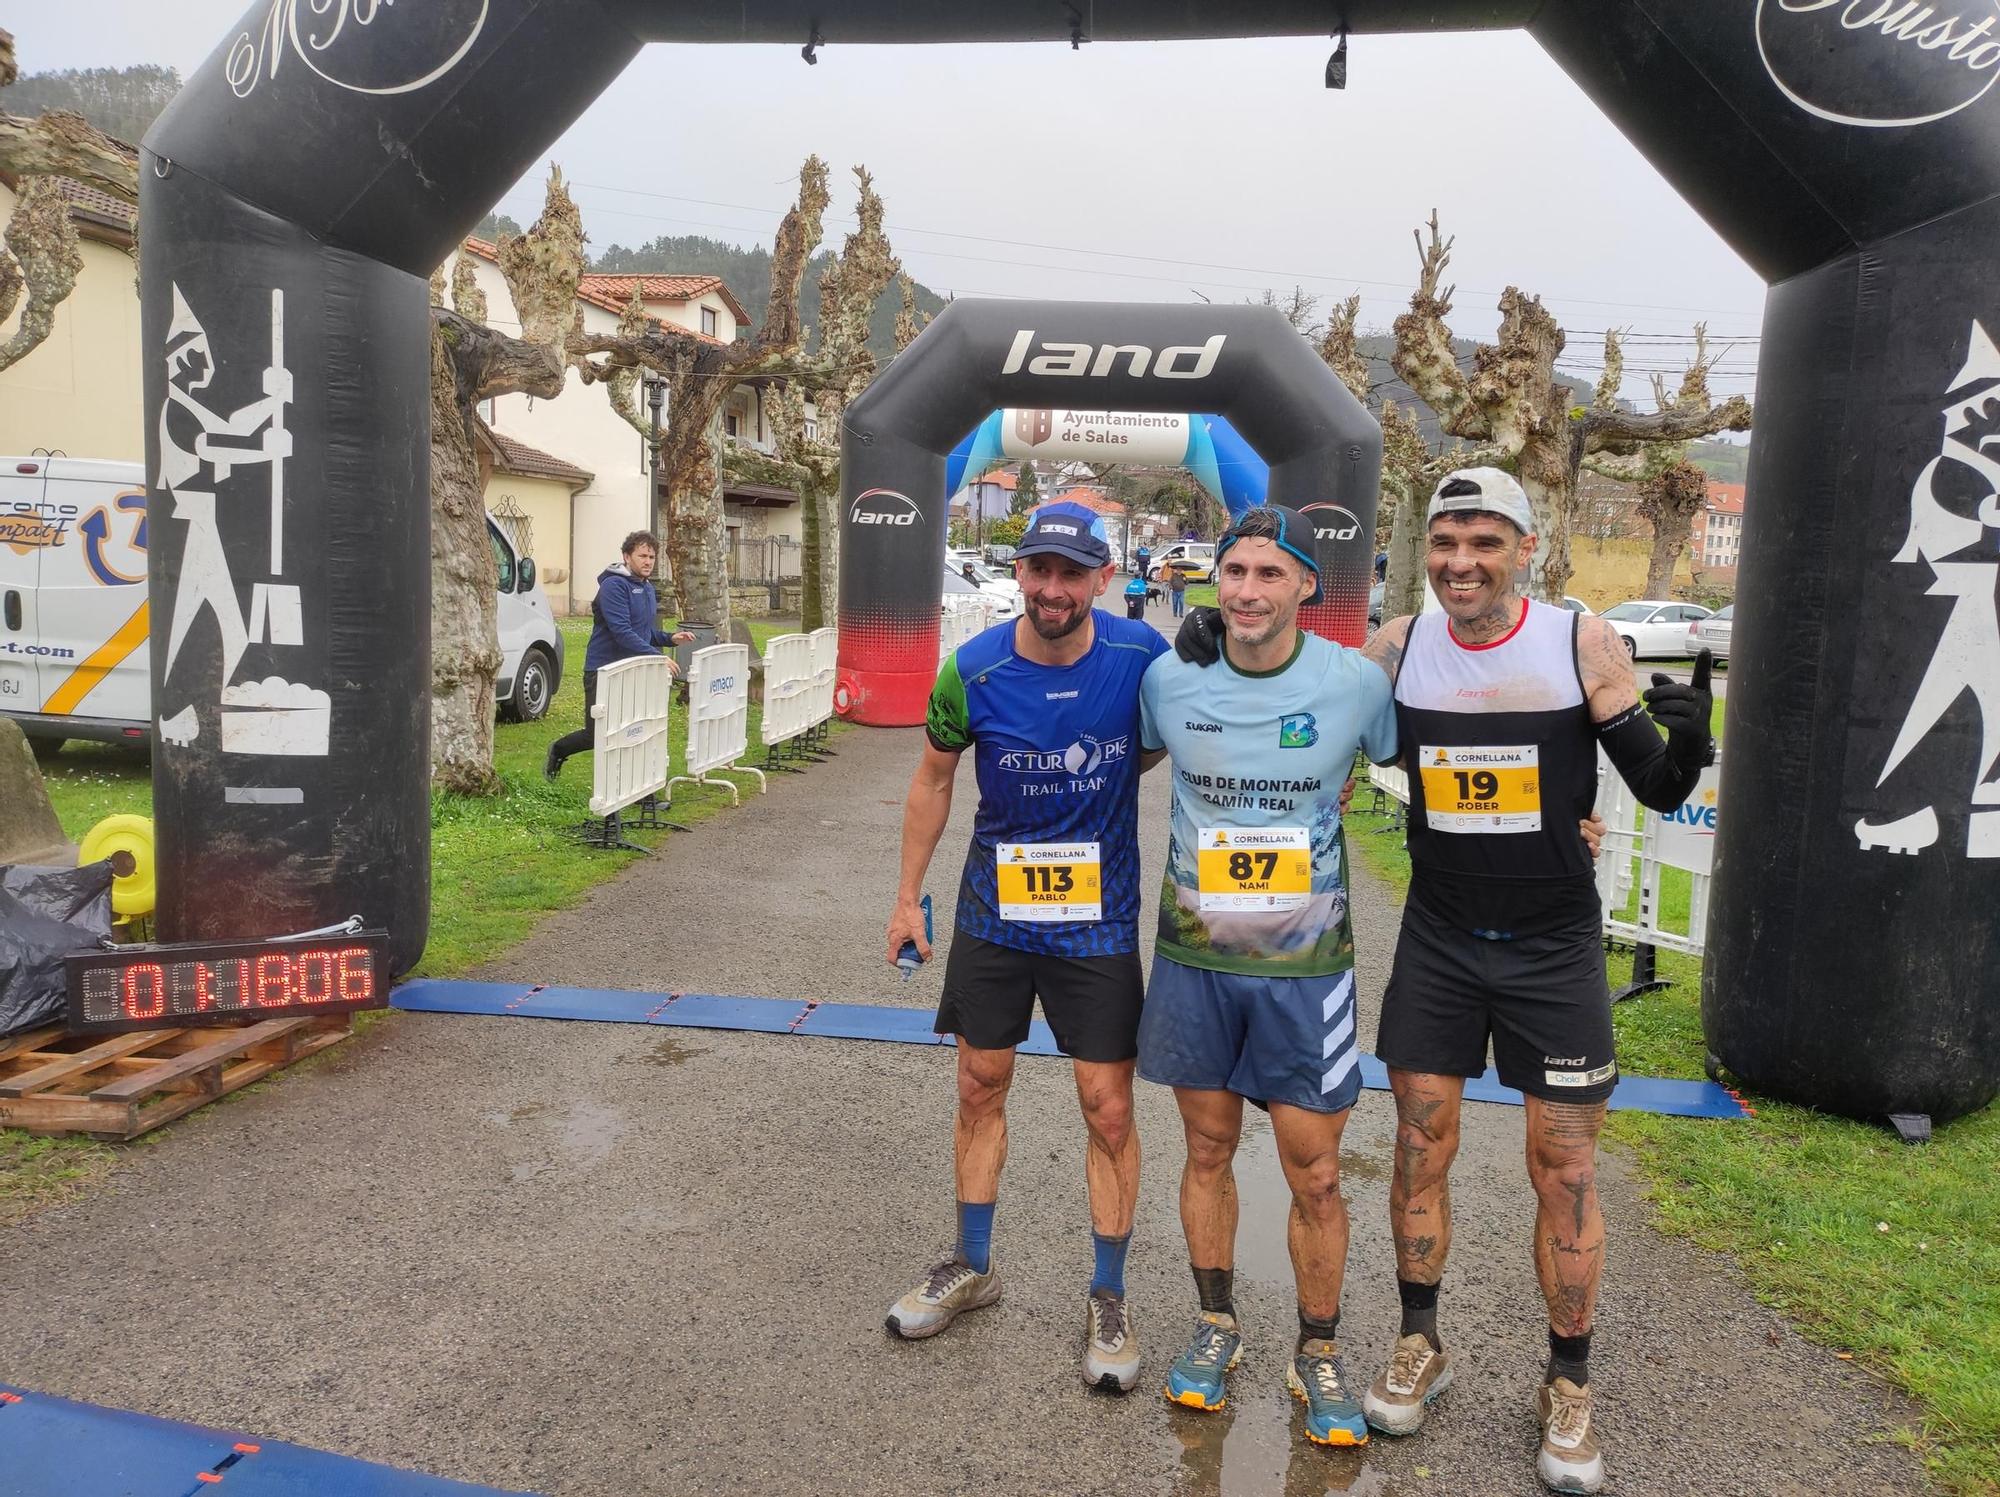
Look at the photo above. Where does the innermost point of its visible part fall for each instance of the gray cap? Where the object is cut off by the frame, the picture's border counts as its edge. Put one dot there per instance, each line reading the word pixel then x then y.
pixel 1489 489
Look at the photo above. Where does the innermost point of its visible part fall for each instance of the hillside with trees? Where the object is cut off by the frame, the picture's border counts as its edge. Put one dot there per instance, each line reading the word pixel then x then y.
pixel 122 102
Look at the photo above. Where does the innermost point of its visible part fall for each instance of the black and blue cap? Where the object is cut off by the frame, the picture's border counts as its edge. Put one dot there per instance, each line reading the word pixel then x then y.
pixel 1067 529
pixel 1287 528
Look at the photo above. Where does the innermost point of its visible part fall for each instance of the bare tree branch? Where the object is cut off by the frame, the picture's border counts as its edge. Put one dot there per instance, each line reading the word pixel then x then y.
pixel 1423 358
pixel 1338 348
pixel 61 143
pixel 43 255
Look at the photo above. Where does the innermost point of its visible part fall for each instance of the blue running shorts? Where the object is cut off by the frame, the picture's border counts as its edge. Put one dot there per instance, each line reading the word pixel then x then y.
pixel 1271 1039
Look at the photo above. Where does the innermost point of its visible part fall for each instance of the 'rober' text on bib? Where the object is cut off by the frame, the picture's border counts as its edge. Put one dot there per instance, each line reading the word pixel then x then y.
pixel 1254 868
pixel 1487 788
pixel 1049 881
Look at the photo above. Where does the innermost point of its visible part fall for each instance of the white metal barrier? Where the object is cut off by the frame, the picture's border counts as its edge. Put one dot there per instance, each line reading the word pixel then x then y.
pixel 718 717
pixel 788 687
pixel 1392 780
pixel 1638 851
pixel 826 667
pixel 629 743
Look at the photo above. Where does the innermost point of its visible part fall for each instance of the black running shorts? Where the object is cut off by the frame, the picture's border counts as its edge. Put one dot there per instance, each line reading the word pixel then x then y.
pixel 1542 999
pixel 1091 1002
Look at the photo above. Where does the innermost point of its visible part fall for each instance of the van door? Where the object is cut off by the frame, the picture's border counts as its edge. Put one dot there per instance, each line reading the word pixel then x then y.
pixel 92 605
pixel 514 620
pixel 22 540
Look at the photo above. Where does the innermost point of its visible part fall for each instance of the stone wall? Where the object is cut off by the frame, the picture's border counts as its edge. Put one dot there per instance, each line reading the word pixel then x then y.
pixel 754 602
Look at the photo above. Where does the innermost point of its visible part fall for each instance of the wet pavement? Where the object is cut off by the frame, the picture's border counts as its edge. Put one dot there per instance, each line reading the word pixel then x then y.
pixel 600 1260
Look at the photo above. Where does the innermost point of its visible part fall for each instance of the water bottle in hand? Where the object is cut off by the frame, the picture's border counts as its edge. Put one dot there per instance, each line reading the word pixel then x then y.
pixel 907 959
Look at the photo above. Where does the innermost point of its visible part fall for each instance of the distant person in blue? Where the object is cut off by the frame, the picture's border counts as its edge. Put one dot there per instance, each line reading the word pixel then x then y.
pixel 1135 598
pixel 1177 589
pixel 1048 905
pixel 625 622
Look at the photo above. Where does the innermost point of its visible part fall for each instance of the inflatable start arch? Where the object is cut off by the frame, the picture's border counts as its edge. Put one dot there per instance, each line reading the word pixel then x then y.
pixel 300 189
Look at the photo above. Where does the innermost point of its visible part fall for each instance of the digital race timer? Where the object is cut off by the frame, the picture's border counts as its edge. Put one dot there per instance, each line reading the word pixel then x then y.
pixel 167 987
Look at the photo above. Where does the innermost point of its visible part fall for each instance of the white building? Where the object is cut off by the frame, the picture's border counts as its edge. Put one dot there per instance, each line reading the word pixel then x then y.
pixel 582 431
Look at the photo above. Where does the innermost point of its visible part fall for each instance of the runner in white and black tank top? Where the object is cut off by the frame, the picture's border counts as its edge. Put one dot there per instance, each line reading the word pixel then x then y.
pixel 1501 705
pixel 1503 766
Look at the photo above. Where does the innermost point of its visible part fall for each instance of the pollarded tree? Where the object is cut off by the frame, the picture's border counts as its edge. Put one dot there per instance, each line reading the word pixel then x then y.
pixel 42 257
pixel 700 373
pixel 808 461
pixel 1670 500
pixel 1510 403
pixel 470 362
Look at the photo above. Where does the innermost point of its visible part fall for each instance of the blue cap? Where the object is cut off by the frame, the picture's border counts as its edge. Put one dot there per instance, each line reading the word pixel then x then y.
pixel 1294 534
pixel 1069 530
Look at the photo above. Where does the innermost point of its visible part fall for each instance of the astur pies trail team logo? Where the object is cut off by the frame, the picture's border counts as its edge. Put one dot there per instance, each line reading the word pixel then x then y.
pixel 1084 757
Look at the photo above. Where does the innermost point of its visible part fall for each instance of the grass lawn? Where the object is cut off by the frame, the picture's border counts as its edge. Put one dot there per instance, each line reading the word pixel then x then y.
pixel 497 867
pixel 1886 1253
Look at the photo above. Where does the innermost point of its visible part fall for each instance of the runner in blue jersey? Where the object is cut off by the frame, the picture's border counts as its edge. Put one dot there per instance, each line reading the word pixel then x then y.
pixel 1252 991
pixel 1048 904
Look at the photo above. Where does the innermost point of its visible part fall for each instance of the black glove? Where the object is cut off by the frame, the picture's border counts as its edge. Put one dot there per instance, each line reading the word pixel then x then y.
pixel 1200 639
pixel 1683 710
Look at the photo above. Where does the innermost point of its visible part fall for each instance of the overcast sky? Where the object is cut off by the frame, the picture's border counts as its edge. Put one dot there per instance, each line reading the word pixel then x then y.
pixel 1134 172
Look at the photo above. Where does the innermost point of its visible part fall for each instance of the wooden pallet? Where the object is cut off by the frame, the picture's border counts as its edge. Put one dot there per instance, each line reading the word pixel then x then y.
pixel 122 1085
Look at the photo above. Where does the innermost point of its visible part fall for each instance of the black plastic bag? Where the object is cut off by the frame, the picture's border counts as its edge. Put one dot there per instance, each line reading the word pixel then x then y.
pixel 46 914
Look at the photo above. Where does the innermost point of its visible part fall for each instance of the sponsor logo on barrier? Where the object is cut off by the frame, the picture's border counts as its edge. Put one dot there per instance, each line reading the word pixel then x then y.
pixel 1876 63
pixel 1034 427
pixel 1075 360
pixel 721 684
pixel 1332 522
pixel 884 507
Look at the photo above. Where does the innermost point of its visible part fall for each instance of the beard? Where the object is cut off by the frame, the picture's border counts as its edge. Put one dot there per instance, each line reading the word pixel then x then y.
pixel 1267 629
pixel 1060 628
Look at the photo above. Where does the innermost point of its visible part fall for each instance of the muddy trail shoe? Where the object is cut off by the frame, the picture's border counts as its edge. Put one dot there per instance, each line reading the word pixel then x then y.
pixel 1401 1397
pixel 1319 1381
pixel 947 1292
pixel 1195 1380
pixel 1110 1345
pixel 1569 1460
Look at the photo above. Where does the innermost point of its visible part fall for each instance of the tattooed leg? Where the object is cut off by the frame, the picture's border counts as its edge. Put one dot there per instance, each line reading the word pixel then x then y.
pixel 1569 1229
pixel 1420 1192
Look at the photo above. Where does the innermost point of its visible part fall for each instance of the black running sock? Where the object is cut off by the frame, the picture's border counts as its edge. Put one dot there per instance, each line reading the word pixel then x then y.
pixel 1317 1330
pixel 1569 1356
pixel 1217 1288
pixel 1420 1311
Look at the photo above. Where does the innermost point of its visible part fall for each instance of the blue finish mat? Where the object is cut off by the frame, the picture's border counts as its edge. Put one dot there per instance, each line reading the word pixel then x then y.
pixel 52 1446
pixel 912 1026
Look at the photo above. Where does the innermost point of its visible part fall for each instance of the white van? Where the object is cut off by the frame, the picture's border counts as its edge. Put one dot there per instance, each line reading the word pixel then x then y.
pixel 1195 551
pixel 73 617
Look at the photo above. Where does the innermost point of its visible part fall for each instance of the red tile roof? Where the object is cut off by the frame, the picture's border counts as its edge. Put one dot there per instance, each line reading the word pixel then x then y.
pixel 529 462
pixel 591 288
pixel 665 288
pixel 1092 499
pixel 87 203
pixel 1005 478
pixel 1724 498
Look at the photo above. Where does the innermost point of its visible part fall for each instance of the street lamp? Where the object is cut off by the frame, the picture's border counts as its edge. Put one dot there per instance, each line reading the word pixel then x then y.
pixel 656 401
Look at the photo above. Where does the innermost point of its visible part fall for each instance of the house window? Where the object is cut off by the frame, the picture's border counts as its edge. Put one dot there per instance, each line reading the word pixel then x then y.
pixel 708 321
pixel 731 424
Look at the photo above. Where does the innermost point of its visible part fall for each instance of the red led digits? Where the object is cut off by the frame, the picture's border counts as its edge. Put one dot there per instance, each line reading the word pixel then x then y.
pixel 274 971
pixel 315 964
pixel 357 974
pixel 151 979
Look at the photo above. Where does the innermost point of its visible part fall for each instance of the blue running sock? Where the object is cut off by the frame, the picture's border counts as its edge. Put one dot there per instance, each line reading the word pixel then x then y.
pixel 975 1234
pixel 1109 1274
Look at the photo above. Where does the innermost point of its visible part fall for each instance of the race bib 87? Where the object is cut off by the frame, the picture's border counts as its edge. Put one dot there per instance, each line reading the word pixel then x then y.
pixel 1262 868
pixel 1490 788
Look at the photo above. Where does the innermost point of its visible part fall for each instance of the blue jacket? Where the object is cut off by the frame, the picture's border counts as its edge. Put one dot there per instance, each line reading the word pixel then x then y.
pixel 625 619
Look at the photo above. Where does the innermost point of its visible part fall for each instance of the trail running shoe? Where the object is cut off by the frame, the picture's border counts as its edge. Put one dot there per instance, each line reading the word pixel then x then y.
pixel 1319 1381
pixel 1110 1345
pixel 1569 1460
pixel 1401 1397
pixel 947 1292
pixel 1195 1379
pixel 552 765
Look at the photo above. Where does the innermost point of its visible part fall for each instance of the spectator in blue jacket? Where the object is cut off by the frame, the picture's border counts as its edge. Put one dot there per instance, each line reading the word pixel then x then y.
pixel 625 621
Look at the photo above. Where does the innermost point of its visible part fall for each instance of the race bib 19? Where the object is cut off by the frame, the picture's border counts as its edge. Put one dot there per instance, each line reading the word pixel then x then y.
pixel 1491 788
pixel 1051 881
pixel 1260 868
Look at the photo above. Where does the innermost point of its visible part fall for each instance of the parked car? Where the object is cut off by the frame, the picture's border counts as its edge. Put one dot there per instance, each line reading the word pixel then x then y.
pixel 1000 556
pixel 1577 605
pixel 74 632
pixel 976 576
pixel 1201 552
pixel 1712 633
pixel 1654 627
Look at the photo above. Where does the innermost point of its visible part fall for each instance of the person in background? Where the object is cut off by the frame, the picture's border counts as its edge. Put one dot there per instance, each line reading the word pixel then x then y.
pixel 625 619
pixel 1177 590
pixel 1135 597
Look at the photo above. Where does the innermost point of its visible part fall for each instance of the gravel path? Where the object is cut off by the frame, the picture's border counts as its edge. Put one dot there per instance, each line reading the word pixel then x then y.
pixel 603 1260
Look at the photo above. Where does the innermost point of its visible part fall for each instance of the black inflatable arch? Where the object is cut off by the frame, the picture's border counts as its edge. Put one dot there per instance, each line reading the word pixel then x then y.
pixel 1246 363
pixel 299 191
